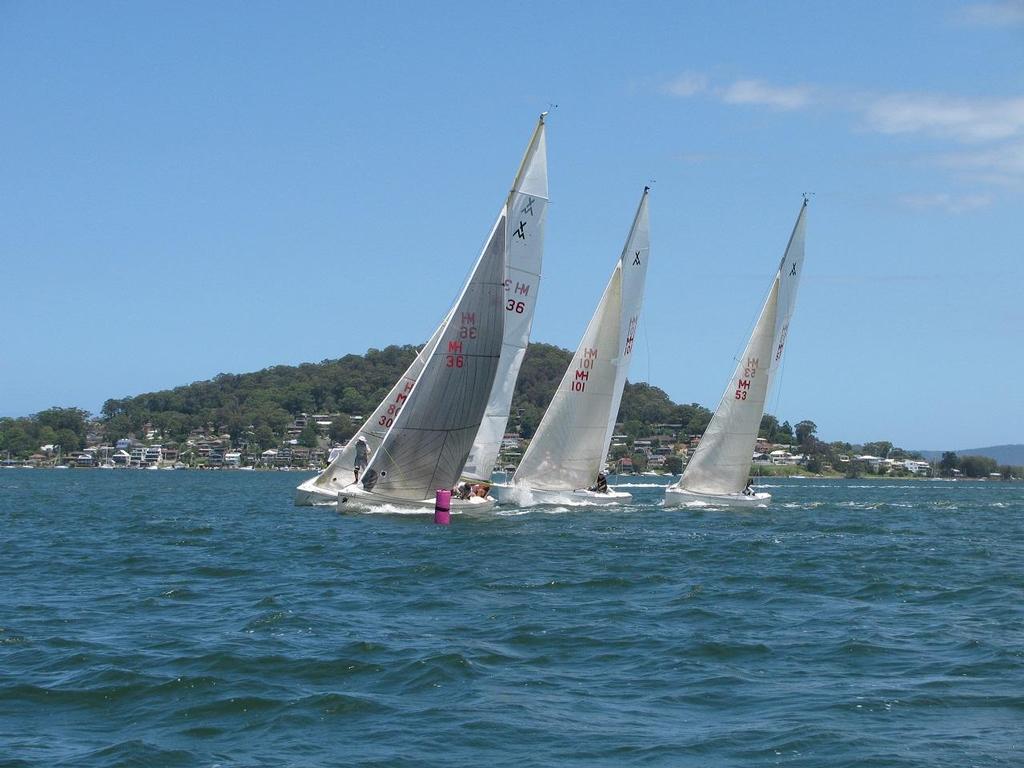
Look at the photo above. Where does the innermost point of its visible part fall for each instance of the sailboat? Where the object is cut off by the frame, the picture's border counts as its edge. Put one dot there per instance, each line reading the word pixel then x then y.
pixel 718 470
pixel 524 213
pixel 568 450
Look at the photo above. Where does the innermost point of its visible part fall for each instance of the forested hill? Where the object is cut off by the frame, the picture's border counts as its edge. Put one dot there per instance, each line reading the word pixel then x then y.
pixel 269 400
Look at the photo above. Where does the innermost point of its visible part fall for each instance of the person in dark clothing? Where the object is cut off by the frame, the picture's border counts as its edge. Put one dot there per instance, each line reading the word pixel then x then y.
pixel 362 456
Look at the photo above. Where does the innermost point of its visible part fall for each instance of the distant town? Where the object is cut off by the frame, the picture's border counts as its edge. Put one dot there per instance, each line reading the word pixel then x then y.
pixel 299 417
pixel 307 446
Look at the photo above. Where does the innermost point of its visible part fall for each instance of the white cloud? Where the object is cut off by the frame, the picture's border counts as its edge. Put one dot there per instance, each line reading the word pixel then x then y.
pixel 989 132
pixel 946 202
pixel 1003 164
pixel 687 84
pixel 760 93
pixel 1008 13
pixel 963 120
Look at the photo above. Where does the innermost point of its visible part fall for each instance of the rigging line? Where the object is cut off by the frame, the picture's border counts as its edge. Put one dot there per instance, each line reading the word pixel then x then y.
pixel 777 387
pixel 647 343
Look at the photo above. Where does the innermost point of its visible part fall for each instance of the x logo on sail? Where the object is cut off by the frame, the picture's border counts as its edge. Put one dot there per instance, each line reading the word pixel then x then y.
pixel 793 270
pixel 528 208
pixel 521 231
pixel 636 259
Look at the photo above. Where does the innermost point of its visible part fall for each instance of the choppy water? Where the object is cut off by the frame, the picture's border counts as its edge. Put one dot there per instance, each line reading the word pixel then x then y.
pixel 198 619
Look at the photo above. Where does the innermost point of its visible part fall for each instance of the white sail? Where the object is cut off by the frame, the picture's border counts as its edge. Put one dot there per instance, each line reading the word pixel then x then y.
pixel 721 463
pixel 569 447
pixel 527 210
pixel 524 248
pixel 339 473
pixel 428 443
pixel 790 270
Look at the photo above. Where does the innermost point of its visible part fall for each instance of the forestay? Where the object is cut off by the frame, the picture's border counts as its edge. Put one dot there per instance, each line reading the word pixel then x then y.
pixel 431 436
pixel 569 447
pixel 526 212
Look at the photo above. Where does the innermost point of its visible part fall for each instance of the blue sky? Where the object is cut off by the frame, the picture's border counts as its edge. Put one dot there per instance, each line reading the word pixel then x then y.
pixel 195 188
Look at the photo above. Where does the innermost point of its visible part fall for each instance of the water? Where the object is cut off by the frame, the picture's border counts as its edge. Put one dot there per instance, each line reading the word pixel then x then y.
pixel 198 619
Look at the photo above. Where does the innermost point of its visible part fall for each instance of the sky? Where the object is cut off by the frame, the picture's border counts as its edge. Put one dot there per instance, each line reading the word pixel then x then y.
pixel 195 188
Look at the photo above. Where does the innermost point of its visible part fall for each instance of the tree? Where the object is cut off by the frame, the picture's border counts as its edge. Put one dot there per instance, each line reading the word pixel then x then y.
pixel 341 429
pixel 879 448
pixel 804 430
pixel 785 433
pixel 639 461
pixel 769 427
pixel 308 437
pixel 69 440
pixel 948 463
pixel 673 464
pixel 634 428
pixel 265 437
pixel 977 466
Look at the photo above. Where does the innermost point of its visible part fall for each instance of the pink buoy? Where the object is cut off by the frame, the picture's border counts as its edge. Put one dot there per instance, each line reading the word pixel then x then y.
pixel 443 506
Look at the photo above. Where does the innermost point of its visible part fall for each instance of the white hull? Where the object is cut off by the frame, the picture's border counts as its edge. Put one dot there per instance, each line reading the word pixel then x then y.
pixel 308 494
pixel 355 499
pixel 675 497
pixel 511 494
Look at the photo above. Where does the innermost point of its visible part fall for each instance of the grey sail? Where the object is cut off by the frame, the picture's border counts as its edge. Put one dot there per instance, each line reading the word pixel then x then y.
pixel 431 437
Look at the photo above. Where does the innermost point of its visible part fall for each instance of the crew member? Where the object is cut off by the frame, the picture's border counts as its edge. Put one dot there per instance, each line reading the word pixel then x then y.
pixel 362 456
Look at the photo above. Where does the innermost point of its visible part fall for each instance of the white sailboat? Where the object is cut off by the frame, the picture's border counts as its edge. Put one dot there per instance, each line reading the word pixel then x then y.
pixel 523 214
pixel 568 450
pixel 718 470
pixel 429 440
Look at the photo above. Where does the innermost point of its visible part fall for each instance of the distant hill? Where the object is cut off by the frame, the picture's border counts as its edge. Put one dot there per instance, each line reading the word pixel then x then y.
pixel 1003 454
pixel 266 401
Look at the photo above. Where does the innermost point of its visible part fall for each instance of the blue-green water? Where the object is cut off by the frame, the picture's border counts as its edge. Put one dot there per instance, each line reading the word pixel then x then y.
pixel 199 619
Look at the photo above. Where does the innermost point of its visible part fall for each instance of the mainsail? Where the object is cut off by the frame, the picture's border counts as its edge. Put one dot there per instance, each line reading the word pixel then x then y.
pixel 524 242
pixel 721 462
pixel 429 440
pixel 570 444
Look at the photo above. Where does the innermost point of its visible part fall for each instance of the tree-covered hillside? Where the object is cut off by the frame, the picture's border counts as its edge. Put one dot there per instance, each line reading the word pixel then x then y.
pixel 257 408
pixel 269 400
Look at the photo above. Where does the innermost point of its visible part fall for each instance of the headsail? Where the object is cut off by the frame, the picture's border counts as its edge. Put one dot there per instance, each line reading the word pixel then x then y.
pixel 430 438
pixel 790 269
pixel 527 210
pixel 373 429
pixel 570 445
pixel 721 462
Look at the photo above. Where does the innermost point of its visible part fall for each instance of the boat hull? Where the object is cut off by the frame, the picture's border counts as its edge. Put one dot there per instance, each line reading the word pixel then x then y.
pixel 355 499
pixel 676 497
pixel 308 494
pixel 510 494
